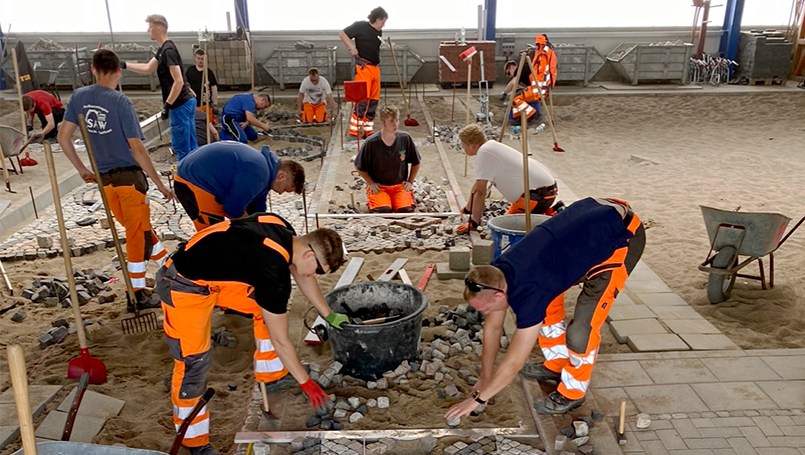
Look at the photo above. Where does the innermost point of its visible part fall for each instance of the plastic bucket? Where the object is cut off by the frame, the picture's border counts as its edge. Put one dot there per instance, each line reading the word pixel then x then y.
pixel 368 351
pixel 510 229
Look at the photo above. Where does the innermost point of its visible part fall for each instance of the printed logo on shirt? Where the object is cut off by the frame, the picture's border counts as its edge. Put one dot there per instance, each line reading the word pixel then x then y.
pixel 96 120
pixel 402 155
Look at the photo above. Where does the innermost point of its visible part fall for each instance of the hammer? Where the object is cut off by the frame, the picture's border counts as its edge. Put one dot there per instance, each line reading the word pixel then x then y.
pixel 620 428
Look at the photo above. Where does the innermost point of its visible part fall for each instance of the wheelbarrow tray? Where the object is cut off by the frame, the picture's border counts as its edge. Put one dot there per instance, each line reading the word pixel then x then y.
pixel 80 448
pixel 11 139
pixel 762 232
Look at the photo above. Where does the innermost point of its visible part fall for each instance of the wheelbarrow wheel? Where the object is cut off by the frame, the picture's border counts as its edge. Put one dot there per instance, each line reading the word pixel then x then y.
pixel 719 287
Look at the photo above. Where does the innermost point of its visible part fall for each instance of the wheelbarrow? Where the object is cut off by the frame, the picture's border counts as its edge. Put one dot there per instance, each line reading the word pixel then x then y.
pixel 11 141
pixel 734 234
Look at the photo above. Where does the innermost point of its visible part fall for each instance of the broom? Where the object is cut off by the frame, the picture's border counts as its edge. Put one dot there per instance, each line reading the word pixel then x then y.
pixel 408 120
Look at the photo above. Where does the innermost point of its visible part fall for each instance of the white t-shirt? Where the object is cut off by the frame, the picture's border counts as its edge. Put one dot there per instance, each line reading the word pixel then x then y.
pixel 315 93
pixel 503 166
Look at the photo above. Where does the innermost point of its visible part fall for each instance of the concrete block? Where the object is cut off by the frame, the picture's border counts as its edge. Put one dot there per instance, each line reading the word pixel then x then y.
pixel 460 258
pixel 656 342
pixel 629 312
pixel 444 272
pixel 8 434
pixel 483 251
pixel 665 312
pixel 700 326
pixel 708 342
pixel 93 404
pixel 84 429
pixel 734 396
pixel 624 328
pixel 660 298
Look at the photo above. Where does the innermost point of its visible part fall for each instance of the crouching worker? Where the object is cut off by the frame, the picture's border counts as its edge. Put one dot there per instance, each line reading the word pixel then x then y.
pixel 383 163
pixel 595 241
pixel 245 266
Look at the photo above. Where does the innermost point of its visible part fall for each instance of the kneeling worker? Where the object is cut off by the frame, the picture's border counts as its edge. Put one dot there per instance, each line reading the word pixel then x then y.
pixel 315 95
pixel 245 266
pixel 383 163
pixel 231 180
pixel 502 166
pixel 238 117
pixel 596 240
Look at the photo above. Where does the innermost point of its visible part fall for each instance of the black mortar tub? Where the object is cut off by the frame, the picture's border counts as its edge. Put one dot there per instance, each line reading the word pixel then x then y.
pixel 368 351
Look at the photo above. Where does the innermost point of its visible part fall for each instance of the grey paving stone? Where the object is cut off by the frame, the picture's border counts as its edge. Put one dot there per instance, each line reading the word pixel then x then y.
pixel 778 451
pixel 443 272
pixel 700 325
pixel 726 432
pixel 623 300
pixel 755 436
pixel 632 444
pixel 708 342
pixel 787 394
pixel 783 420
pixel 660 298
pixel 703 423
pixel 730 396
pixel 648 435
pixel 656 342
pixel 790 367
pixel 620 374
pixel 609 400
pixel 741 446
pixel 8 434
pixel 40 396
pixel 677 371
pixel 629 312
pixel 646 286
pixel 687 429
pixel 675 312
pixel 707 443
pixel 740 369
pixel 671 439
pixel 629 356
pixel 723 452
pixel 642 272
pixel 654 447
pixel 662 399
pixel 84 429
pixel 623 329
pixel 787 441
pixel 703 354
pixel 775 352
pixel 93 404
pixel 767 425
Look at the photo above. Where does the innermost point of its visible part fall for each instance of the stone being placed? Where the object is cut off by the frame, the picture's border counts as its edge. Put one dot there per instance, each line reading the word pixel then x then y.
pixel 643 421
pixel 383 402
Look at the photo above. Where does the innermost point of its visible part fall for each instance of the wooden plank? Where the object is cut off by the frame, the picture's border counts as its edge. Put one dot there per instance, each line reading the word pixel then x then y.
pixel 327 173
pixel 393 269
pixel 454 196
pixel 350 273
pixel 404 276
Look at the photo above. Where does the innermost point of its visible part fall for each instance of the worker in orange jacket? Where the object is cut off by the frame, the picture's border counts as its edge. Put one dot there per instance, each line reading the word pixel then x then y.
pixel 533 88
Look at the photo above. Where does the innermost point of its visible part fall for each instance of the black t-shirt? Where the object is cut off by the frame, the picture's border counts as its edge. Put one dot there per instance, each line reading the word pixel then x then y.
pixel 366 40
pixel 256 250
pixel 194 77
pixel 387 165
pixel 168 56
pixel 201 127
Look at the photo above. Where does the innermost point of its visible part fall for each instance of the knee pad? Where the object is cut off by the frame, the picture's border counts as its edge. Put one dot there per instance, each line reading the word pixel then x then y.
pixel 408 209
pixel 382 210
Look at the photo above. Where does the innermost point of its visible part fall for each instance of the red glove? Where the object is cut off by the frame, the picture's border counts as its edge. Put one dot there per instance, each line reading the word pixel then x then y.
pixel 318 399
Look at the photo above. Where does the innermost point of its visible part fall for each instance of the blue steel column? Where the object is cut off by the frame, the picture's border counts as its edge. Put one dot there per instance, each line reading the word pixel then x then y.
pixel 2 54
pixel 242 15
pixel 491 7
pixel 731 32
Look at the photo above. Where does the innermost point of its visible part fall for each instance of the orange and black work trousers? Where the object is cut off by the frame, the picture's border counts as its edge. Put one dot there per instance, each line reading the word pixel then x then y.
pixel 200 205
pixel 188 306
pixel 364 115
pixel 572 350
pixel 541 200
pixel 125 190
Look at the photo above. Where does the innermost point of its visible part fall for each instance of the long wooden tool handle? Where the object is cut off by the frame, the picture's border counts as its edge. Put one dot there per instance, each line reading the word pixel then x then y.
pixel 207 93
pixel 526 189
pixel 177 442
pixel 120 256
pixel 265 395
pixel 543 104
pixel 622 419
pixel 19 92
pixel 523 57
pixel 68 263
pixel 19 381
pixel 79 396
pixel 399 78
pixel 6 178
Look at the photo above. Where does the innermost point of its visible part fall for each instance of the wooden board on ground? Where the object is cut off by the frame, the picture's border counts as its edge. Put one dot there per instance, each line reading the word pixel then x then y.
pixel 350 273
pixel 404 276
pixel 393 269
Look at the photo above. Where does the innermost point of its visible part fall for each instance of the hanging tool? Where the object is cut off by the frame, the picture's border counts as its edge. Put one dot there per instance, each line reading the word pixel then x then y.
pixel 543 106
pixel 140 323
pixel 455 73
pixel 264 407
pixel 19 382
pixel 177 441
pixel 408 120
pixel 85 363
pixel 79 395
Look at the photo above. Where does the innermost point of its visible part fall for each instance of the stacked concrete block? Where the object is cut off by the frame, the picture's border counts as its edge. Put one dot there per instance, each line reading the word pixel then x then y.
pixel 763 55
pixel 231 61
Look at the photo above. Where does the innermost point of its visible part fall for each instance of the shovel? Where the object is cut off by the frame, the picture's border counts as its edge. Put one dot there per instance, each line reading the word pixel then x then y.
pixel 19 381
pixel 408 120
pixel 140 323
pixel 85 363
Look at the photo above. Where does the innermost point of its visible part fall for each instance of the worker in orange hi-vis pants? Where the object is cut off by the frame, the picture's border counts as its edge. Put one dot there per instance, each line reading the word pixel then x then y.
pixel 123 162
pixel 244 266
pixel 595 241
pixel 366 50
pixel 315 96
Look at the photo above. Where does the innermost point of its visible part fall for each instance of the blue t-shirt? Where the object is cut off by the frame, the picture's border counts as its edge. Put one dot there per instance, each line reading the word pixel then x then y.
pixel 556 254
pixel 238 105
pixel 111 121
pixel 237 175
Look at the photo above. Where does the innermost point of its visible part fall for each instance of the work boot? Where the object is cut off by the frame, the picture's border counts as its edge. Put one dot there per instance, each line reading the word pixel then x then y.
pixel 285 382
pixel 203 450
pixel 556 403
pixel 144 302
pixel 540 372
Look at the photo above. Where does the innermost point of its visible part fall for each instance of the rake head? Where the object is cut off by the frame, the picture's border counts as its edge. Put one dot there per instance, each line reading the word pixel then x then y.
pixel 410 121
pixel 141 323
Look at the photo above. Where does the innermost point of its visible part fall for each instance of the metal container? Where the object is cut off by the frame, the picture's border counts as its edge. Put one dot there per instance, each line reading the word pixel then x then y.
pixel 289 65
pixel 130 78
pixel 11 140
pixel 408 61
pixel 80 448
pixel 577 63
pixel 649 62
pixel 73 66
pixel 761 232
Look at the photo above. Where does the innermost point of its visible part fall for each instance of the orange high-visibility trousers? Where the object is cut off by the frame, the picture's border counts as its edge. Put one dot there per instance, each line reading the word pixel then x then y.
pixel 125 190
pixel 364 115
pixel 390 198
pixel 188 306
pixel 572 349
pixel 540 204
pixel 200 205
pixel 314 113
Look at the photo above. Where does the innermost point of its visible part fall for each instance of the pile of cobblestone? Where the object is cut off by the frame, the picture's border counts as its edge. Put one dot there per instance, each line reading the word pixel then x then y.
pixel 129 47
pixel 449 134
pixel 379 235
pixel 292 135
pixel 51 292
pixel 45 44
pixel 479 445
pixel 429 196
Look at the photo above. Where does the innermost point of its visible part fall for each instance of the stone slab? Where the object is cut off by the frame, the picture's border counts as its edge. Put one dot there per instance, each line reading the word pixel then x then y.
pixel 708 342
pixel 787 394
pixel 647 286
pixel 622 300
pixel 701 326
pixel 642 272
pixel 93 404
pixel 623 329
pixel 609 400
pixel 677 371
pixel 675 312
pixel 653 299
pixel 444 272
pixel 620 374
pixel 84 429
pixel 40 396
pixel 733 396
pixel 666 399
pixel 740 369
pixel 656 342
pixel 621 313
pixel 787 367
pixel 8 434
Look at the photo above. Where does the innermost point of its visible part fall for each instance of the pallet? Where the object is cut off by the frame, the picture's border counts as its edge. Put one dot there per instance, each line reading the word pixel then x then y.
pixel 768 81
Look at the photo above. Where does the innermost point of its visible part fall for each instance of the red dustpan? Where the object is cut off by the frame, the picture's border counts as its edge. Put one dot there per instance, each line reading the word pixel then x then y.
pixel 357 92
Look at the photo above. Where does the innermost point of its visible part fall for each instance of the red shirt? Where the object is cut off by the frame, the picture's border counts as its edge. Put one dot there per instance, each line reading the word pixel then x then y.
pixel 44 102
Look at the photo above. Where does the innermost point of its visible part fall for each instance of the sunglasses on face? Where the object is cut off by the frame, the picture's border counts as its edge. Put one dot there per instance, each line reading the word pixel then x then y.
pixel 319 268
pixel 478 287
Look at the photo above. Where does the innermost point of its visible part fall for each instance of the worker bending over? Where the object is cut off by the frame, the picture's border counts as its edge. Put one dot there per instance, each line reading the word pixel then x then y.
pixel 502 166
pixel 244 266
pixel 383 163
pixel 366 51
pixel 49 110
pixel 596 241
pixel 313 92
pixel 231 180
pixel 238 116
pixel 123 162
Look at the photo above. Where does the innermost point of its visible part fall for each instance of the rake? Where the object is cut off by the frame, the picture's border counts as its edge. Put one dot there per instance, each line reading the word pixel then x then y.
pixel 408 120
